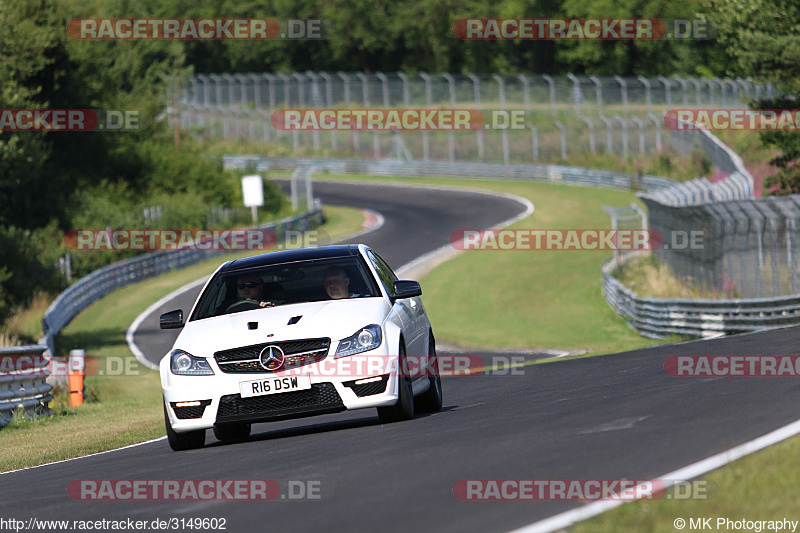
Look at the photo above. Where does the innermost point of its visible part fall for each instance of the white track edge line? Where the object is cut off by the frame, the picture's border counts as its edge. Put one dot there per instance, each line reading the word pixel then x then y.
pixel 568 518
pixel 380 220
pixel 84 456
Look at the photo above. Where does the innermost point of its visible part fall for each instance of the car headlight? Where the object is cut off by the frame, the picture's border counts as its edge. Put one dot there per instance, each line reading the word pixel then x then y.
pixel 367 338
pixel 185 364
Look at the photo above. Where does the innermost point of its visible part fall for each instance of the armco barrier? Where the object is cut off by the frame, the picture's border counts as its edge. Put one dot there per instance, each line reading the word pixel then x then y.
pixel 402 168
pixel 656 317
pixel 104 280
pixel 23 381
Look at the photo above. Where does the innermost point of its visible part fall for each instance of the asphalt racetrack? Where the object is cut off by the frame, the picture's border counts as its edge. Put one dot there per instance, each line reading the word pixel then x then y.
pixel 609 417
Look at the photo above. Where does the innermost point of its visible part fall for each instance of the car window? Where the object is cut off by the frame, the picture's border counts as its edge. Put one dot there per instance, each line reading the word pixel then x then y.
pixel 286 284
pixel 385 273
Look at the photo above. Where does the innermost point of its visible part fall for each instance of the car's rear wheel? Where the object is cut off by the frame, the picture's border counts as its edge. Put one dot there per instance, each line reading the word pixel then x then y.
pixel 232 431
pixel 404 408
pixel 431 400
pixel 183 441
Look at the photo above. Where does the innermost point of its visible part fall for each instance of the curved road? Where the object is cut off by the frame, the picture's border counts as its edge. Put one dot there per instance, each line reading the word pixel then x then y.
pixel 616 416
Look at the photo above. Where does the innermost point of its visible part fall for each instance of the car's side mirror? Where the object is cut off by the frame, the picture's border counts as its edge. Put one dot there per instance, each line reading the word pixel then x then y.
pixel 172 320
pixel 405 288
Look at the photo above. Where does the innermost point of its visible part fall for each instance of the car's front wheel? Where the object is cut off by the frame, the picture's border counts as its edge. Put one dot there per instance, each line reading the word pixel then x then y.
pixel 431 400
pixel 232 431
pixel 183 441
pixel 404 408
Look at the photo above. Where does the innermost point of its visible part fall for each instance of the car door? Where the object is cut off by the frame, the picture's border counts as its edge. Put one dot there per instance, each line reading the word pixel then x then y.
pixel 410 308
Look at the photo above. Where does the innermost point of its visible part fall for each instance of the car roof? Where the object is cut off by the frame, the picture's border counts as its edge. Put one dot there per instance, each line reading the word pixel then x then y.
pixel 288 256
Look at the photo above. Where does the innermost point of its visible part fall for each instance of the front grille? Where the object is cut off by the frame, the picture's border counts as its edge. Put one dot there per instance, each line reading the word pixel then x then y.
pixel 196 411
pixel 368 389
pixel 320 397
pixel 298 353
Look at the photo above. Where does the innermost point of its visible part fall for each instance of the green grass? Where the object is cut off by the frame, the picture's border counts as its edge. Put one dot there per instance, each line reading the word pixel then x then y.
pixel 761 486
pixel 119 410
pixel 542 299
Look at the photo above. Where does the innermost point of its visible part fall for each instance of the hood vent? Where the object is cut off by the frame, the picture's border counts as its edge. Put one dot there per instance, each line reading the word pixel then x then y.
pixel 294 320
pixel 252 325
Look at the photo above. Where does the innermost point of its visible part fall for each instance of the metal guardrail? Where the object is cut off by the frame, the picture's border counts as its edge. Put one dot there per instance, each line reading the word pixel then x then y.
pixel 94 286
pixel 656 317
pixel 403 168
pixel 23 381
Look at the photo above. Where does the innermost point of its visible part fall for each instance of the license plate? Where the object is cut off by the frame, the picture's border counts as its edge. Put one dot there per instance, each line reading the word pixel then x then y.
pixel 261 387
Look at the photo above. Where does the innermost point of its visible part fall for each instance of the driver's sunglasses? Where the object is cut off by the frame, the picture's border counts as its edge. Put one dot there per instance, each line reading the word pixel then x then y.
pixel 248 285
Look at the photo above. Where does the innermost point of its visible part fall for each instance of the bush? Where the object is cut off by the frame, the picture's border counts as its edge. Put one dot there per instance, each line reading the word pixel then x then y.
pixel 30 264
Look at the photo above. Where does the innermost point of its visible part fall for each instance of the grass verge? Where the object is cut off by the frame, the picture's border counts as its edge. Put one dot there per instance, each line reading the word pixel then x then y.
pixel 760 486
pixel 544 299
pixel 119 410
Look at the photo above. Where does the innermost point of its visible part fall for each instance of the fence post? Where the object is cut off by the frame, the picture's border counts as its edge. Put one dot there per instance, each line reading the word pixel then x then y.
pixel 624 125
pixel 624 89
pixel 685 89
pixel 609 135
pixel 552 85
pixel 657 123
pixel 592 141
pixel 534 142
pixel 476 88
pixel 667 90
pixel 598 89
pixel 504 133
pixel 577 94
pixel 563 132
pixel 406 91
pixel 426 145
pixel 697 94
pixel 640 124
pixel 647 96
pixel 451 140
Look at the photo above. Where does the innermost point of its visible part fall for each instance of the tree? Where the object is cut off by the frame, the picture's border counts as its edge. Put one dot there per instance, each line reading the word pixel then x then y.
pixel 761 38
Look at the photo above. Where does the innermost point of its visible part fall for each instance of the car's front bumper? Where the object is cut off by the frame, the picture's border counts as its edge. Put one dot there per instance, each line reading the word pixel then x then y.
pixel 334 388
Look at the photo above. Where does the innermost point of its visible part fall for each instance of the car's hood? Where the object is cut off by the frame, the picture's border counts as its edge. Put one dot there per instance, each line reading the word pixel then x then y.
pixel 336 319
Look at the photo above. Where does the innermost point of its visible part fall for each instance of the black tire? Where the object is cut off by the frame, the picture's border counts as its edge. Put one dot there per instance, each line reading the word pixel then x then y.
pixel 404 408
pixel 183 441
pixel 430 401
pixel 232 431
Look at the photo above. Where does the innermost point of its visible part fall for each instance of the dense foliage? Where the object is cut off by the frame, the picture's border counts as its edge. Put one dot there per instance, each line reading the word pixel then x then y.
pixel 53 182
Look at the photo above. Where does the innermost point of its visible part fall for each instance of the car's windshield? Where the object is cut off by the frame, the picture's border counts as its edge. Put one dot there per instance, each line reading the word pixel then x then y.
pixel 284 284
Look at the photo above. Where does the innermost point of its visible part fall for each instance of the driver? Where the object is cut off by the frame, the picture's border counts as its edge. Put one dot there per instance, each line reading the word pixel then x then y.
pixel 249 287
pixel 337 283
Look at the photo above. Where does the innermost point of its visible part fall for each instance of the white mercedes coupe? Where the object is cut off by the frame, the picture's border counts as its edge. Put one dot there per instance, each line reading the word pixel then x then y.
pixel 298 333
